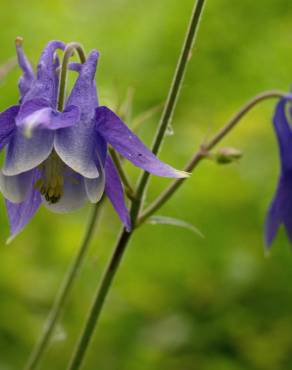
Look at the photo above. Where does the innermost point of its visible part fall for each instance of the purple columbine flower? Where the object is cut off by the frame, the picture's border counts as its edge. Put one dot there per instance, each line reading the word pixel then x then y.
pixel 280 211
pixel 60 159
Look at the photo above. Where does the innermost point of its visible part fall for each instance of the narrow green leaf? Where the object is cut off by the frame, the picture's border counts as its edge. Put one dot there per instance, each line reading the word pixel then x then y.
pixel 164 220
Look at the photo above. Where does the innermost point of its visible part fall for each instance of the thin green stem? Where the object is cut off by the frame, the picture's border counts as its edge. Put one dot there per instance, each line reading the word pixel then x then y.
pixel 128 187
pixel 62 296
pixel 110 271
pixel 101 294
pixel 68 52
pixel 202 152
pixel 171 99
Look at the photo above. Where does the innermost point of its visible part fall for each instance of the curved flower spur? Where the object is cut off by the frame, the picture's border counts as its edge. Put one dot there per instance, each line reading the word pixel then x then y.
pixel 60 158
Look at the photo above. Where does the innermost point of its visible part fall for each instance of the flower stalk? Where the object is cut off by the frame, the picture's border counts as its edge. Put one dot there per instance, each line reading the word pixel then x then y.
pixel 125 236
pixel 65 289
pixel 68 52
pixel 204 150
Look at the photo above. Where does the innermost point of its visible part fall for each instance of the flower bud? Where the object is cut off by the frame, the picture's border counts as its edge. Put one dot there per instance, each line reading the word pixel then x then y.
pixel 227 155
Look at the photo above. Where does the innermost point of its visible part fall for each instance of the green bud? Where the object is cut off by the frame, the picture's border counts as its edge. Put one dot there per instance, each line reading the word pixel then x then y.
pixel 227 155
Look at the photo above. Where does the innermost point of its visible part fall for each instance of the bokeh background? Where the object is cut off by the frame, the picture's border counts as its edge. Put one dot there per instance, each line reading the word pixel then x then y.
pixel 179 301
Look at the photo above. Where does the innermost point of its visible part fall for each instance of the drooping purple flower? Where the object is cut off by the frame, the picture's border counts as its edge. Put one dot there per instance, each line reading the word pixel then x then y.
pixel 280 211
pixel 60 159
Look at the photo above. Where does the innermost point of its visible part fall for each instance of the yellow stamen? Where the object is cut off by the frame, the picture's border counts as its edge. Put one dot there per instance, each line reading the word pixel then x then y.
pixel 38 183
pixel 51 183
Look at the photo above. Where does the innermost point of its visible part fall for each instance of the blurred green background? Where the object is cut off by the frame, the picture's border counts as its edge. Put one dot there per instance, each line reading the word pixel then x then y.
pixel 178 302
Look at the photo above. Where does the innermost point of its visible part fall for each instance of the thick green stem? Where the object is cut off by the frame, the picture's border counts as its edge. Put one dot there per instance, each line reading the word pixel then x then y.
pixel 203 151
pixel 110 271
pixel 62 296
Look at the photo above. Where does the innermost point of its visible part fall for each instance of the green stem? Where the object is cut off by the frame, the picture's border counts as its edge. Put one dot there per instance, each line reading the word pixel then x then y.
pixel 68 52
pixel 110 271
pixel 203 151
pixel 101 294
pixel 171 99
pixel 63 293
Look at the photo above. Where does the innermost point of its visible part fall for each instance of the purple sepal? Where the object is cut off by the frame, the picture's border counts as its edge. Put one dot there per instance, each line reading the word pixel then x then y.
pixel 115 192
pixel 45 85
pixel 7 124
pixel 27 78
pixel 280 211
pixel 21 213
pixel 125 142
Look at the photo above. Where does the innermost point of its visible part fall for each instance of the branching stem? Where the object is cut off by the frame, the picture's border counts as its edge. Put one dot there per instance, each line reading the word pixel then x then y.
pixel 203 151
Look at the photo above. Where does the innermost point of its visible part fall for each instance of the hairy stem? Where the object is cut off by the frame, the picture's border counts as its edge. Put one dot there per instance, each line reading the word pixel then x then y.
pixel 110 271
pixel 62 296
pixel 202 152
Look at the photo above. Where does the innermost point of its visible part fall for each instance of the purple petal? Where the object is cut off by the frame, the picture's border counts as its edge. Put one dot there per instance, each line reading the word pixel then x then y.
pixel 25 81
pixel 24 154
pixel 69 117
pixel 84 92
pixel 73 198
pixel 116 133
pixel 77 145
pixel 16 188
pixel 95 187
pixel 36 114
pixel 115 192
pixel 20 214
pixel 7 124
pixel 45 85
pixel 284 133
pixel 76 67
